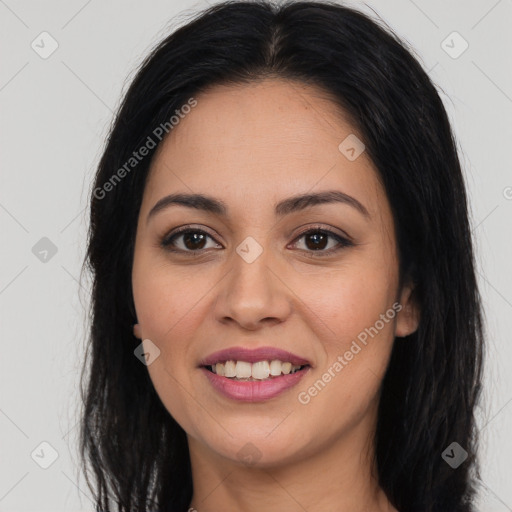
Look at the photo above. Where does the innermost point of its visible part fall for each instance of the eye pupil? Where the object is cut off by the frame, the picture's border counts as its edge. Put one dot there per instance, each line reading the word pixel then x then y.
pixel 195 238
pixel 319 240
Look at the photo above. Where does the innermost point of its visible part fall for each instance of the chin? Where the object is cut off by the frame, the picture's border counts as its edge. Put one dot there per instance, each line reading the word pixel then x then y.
pixel 258 449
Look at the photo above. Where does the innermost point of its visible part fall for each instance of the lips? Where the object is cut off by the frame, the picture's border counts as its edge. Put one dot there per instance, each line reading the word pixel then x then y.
pixel 254 391
pixel 253 356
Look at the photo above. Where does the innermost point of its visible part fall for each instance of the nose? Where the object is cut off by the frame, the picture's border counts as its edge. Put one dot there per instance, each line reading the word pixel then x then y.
pixel 253 294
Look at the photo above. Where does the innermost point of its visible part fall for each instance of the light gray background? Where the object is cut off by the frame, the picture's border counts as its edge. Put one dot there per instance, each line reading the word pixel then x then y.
pixel 55 114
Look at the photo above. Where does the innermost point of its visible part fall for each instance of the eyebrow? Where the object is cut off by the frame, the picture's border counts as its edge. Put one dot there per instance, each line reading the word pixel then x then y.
pixel 285 207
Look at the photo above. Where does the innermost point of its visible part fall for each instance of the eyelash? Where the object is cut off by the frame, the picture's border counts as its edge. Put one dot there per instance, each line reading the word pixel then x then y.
pixel 167 241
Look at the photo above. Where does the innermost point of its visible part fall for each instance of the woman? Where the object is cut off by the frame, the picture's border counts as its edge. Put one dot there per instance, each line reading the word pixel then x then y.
pixel 285 314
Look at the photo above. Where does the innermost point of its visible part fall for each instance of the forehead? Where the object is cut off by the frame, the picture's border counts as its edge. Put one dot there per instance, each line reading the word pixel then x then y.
pixel 268 139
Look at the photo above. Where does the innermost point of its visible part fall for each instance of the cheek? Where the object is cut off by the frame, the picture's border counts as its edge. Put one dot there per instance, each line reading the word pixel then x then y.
pixel 163 298
pixel 345 302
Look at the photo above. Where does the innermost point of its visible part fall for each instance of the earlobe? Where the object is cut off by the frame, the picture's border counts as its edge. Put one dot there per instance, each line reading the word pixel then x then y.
pixel 136 331
pixel 408 318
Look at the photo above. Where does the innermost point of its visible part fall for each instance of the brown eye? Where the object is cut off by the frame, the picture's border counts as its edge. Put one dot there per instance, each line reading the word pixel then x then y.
pixel 187 240
pixel 318 240
pixel 194 240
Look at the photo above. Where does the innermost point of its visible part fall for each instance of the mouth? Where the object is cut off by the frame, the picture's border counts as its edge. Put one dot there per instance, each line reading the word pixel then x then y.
pixel 253 375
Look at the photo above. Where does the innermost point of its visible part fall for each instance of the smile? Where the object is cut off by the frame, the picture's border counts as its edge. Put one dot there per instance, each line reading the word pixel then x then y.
pixel 255 374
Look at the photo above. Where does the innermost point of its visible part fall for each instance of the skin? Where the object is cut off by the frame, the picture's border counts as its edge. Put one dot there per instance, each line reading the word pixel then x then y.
pixel 252 146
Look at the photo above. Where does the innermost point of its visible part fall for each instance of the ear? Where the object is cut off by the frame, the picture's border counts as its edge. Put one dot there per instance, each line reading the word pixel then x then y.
pixel 136 331
pixel 408 318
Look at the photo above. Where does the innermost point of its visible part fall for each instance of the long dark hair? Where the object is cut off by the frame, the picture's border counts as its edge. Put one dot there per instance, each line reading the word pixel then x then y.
pixel 137 452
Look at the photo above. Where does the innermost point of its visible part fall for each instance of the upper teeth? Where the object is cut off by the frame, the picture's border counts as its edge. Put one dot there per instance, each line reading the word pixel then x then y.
pixel 260 370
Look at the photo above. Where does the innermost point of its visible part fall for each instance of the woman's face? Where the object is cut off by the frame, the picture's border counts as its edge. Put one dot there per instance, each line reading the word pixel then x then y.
pixel 247 276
